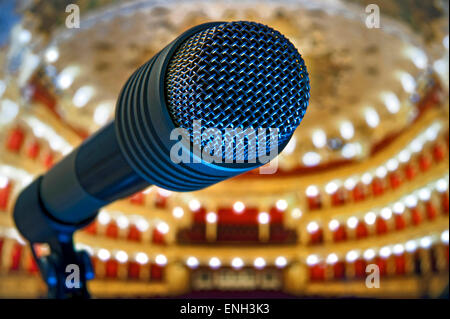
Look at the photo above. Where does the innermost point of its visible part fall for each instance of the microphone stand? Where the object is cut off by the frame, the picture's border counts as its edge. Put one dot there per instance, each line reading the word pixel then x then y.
pixel 64 262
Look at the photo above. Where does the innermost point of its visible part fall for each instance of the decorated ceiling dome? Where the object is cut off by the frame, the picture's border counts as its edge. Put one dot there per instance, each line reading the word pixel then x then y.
pixel 363 180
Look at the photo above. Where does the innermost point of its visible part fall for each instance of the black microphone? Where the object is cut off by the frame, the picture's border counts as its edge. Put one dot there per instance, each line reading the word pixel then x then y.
pixel 225 75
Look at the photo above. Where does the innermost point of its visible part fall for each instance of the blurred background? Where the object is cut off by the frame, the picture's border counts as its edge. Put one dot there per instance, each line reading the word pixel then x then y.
pixel 363 181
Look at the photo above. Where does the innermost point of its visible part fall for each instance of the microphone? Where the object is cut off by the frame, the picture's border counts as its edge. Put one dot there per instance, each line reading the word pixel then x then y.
pixel 225 75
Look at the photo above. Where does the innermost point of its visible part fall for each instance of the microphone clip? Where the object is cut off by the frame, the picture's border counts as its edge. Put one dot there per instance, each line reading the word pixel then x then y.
pixel 65 270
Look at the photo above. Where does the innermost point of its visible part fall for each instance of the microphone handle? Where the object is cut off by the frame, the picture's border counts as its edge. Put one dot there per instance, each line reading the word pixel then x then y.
pixel 70 194
pixel 93 175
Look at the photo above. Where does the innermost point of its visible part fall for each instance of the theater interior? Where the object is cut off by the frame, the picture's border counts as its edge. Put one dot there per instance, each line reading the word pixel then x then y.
pixel 363 181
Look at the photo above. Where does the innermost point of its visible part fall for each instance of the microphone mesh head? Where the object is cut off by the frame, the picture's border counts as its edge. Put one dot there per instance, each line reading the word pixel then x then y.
pixel 238 75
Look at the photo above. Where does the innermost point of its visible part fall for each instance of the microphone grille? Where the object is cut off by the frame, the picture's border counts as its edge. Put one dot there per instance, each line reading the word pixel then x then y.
pixel 238 75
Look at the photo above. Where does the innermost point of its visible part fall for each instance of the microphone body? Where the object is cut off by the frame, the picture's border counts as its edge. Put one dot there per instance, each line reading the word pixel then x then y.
pixel 133 151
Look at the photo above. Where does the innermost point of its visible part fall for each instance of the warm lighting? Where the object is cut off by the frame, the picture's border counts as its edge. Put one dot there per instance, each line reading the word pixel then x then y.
pixel 103 112
pixel 424 194
pixel 332 259
pixel 319 138
pixel 311 159
pixel 214 263
pixel 122 222
pixel 416 145
pixel 372 117
pixel 148 190
pixel 425 242
pixel 194 205
pixel 237 263
pixel 408 82
pixel 121 256
pixel 392 164
pixel 411 246
pixel 352 256
pixel 290 147
pixel 350 183
pixel 211 218
pixel 398 249
pixel 385 252
pixel 370 218
pixel 366 178
pixel 162 228
pixel 398 208
pixel 142 224
pixel 103 218
pixel 296 213
pixel 103 254
pixel 333 224
pixel 410 201
pixel 442 185
pixel 280 262
pixel 386 213
pixel 83 95
pixel 178 212
pixel 312 191
pixel 3 181
pixel 312 227
pixel 417 56
pixel 347 130
pixel 259 263
pixel 404 156
pixel 381 172
pixel 164 192
pixel 312 260
pixel 24 36
pixel 351 150
pixel 352 222
pixel 141 258
pixel 441 66
pixel 8 111
pixel 263 218
pixel 331 187
pixel 281 204
pixel 192 262
pixel 391 102
pixel 2 87
pixel 433 131
pixel 369 254
pixel 88 249
pixel 51 54
pixel 238 207
pixel 161 260
pixel 444 237
pixel 361 190
pixel 66 77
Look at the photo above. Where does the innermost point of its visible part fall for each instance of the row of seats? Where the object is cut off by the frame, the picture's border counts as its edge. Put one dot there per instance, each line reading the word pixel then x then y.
pixel 420 262
pixel 20 140
pixel 131 233
pixel 17 258
pixel 229 234
pixel 378 186
pixel 361 228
